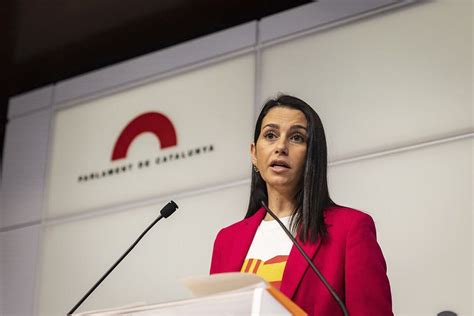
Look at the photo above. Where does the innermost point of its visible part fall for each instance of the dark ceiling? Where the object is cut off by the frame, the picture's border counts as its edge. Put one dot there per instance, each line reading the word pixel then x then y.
pixel 50 40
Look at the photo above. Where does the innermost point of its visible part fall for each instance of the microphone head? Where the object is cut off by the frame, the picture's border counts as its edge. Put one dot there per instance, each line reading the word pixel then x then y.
pixel 169 209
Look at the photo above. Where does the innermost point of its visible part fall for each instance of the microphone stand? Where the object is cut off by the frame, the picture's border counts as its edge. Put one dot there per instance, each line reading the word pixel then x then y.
pixel 320 275
pixel 165 212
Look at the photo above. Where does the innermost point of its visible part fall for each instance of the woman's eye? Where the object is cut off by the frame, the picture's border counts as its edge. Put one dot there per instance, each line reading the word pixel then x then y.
pixel 270 135
pixel 298 138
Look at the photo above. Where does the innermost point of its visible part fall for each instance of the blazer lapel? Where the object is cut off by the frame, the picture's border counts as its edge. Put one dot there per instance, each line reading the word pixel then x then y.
pixel 296 266
pixel 244 239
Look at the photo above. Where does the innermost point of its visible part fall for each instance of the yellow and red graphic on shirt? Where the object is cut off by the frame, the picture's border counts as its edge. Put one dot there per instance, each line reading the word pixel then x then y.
pixel 270 270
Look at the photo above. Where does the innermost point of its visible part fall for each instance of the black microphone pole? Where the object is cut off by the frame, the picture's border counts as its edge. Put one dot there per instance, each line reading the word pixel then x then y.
pixel 320 275
pixel 165 212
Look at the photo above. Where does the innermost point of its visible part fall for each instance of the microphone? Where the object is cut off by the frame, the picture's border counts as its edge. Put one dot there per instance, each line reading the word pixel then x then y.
pixel 311 264
pixel 165 212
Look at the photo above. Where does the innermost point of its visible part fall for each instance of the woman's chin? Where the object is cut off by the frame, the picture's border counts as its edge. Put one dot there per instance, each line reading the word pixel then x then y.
pixel 280 185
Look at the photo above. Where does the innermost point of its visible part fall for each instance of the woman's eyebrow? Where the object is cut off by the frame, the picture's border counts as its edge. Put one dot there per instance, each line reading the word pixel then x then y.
pixel 276 126
pixel 272 125
pixel 298 127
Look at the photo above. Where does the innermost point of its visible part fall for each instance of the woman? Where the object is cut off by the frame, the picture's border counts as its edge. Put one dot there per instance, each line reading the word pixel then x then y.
pixel 289 174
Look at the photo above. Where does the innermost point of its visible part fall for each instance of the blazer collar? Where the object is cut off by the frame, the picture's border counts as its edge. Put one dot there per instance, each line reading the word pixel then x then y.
pixel 245 238
pixel 296 266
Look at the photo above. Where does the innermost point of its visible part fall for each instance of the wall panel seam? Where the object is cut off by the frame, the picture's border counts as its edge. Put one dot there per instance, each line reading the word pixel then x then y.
pixel 401 149
pixel 152 78
pixel 123 207
pixel 390 8
pixel 258 74
pixel 19 226
pixel 28 113
pixel 40 241
pixel 17 103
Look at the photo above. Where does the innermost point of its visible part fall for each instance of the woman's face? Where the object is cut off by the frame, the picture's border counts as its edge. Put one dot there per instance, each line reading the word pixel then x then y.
pixel 280 151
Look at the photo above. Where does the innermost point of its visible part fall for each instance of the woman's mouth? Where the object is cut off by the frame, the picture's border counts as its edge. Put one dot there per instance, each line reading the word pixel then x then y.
pixel 279 166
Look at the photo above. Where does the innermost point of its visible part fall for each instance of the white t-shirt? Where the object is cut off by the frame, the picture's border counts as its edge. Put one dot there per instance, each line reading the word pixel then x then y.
pixel 269 251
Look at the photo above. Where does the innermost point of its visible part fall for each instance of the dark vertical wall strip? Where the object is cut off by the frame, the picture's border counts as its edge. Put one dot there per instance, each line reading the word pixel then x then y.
pixel 8 13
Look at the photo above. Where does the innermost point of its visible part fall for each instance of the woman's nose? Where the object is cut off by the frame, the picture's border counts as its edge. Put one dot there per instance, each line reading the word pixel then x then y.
pixel 281 147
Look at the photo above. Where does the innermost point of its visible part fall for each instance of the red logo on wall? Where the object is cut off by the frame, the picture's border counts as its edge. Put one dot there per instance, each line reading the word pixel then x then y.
pixel 151 122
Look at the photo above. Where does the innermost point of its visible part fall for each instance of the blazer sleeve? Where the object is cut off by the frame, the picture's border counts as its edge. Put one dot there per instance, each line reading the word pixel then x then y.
pixel 367 284
pixel 216 256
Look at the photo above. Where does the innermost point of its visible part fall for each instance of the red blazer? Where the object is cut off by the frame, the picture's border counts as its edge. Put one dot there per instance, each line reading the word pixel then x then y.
pixel 350 259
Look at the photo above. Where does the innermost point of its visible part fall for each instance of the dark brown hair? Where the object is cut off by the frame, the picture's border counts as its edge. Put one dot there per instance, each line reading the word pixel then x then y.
pixel 313 195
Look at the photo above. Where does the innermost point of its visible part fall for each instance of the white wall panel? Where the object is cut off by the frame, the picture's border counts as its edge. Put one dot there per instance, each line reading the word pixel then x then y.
pixel 30 101
pixel 177 56
pixel 421 202
pixel 396 78
pixel 208 106
pixel 19 250
pixel 76 254
pixel 313 15
pixel 24 168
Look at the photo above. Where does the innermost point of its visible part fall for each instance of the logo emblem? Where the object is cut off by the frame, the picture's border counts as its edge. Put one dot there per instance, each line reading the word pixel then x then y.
pixel 165 132
pixel 150 122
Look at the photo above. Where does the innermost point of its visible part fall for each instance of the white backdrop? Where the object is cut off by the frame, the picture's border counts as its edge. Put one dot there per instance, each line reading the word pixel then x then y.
pixel 394 91
pixel 210 106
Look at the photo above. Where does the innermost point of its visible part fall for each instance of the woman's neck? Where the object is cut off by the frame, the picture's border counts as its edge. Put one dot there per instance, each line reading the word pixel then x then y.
pixel 282 204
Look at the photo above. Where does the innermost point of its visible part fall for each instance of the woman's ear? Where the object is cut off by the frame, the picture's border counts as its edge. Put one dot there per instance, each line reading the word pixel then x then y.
pixel 253 154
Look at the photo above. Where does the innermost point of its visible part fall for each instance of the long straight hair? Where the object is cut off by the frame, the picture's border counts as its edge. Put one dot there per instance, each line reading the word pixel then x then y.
pixel 312 197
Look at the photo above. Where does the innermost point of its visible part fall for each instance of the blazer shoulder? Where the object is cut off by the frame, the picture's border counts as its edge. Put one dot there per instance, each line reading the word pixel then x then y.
pixel 346 216
pixel 231 229
pixel 237 227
